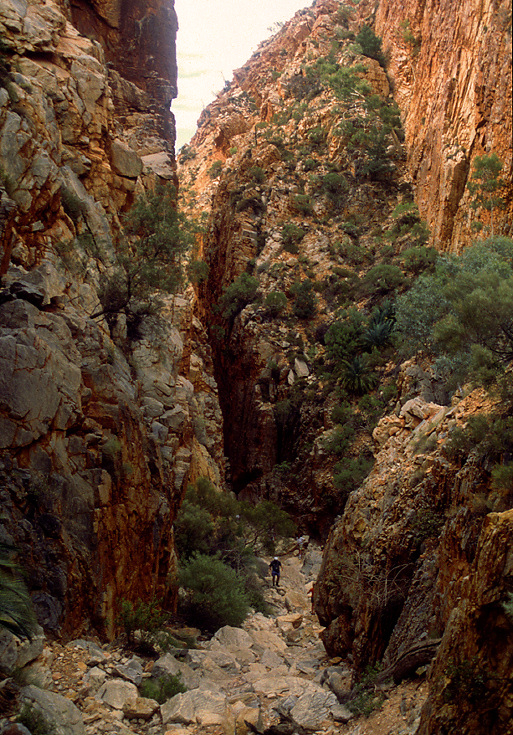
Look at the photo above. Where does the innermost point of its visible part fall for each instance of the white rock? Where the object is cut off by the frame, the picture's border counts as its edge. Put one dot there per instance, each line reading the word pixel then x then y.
pixel 117 692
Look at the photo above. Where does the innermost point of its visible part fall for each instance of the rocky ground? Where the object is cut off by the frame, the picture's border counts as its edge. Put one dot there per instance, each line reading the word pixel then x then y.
pixel 273 674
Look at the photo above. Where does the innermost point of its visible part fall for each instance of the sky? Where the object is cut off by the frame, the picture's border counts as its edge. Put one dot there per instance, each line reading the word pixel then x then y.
pixel 214 38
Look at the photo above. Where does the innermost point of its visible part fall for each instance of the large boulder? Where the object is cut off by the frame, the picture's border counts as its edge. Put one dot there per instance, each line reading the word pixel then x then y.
pixel 202 707
pixel 58 711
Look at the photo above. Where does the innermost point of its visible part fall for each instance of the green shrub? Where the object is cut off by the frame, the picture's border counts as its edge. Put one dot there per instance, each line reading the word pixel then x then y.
pixel 344 14
pixel 465 680
pixel 345 82
pixel 344 337
pixel 418 259
pixel 502 477
pixel 508 606
pixel 215 523
pixel 381 327
pixel 364 699
pixel 407 222
pixel 357 377
pixel 426 523
pixel 194 530
pixel 72 204
pixel 409 37
pixel 351 252
pixel 383 278
pixel 214 594
pixel 317 136
pixel 275 302
pixel 143 617
pixel 305 302
pixel 238 294
pixel 378 334
pixel 304 87
pixel 162 688
pixel 150 259
pixel 197 271
pixel 463 311
pixel 485 184
pixel 291 235
pixel 377 165
pixel 370 45
pixel 335 185
pixel 302 204
pixel 258 175
pixel 215 169
pixel 250 201
pixel 186 153
pixel 340 439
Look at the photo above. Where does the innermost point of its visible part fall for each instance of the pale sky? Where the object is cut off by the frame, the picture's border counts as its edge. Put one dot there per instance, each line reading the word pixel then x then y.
pixel 214 38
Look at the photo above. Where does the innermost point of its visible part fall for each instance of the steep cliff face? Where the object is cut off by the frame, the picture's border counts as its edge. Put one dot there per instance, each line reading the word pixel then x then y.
pixel 100 431
pixel 266 153
pixel 138 40
pixel 451 70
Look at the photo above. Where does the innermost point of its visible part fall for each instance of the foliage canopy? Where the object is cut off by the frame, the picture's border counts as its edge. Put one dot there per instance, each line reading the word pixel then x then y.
pixel 462 313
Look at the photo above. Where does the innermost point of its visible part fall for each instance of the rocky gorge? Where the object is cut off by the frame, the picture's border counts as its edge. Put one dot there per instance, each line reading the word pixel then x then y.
pixel 312 173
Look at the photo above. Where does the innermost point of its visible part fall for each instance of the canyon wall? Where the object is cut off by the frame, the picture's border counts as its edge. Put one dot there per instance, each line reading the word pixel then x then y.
pixel 415 564
pixel 450 65
pixel 101 428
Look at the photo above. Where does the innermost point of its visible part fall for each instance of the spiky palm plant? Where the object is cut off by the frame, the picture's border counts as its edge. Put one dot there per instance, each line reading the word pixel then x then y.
pixel 16 611
pixel 357 377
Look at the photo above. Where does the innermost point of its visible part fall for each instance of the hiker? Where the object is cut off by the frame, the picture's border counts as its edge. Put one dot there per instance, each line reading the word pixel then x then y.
pixel 300 543
pixel 275 567
pixel 310 594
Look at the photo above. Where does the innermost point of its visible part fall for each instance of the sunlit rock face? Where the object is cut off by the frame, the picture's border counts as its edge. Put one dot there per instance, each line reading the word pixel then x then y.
pixel 101 428
pixel 451 70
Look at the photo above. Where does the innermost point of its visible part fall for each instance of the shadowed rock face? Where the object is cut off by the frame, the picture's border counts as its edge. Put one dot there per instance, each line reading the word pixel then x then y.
pixel 139 42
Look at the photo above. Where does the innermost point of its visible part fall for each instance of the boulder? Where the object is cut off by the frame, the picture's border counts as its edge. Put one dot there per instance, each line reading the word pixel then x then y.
pixel 267 640
pixel 202 707
pixel 232 638
pixel 140 708
pixel 95 677
pixel 117 692
pixel 124 160
pixel 312 708
pixel 169 665
pixel 296 599
pixel 58 711
pixel 132 671
pixel 15 653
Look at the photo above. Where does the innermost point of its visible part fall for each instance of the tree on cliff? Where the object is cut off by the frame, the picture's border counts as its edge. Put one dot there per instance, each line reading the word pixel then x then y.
pixel 149 259
pixel 484 185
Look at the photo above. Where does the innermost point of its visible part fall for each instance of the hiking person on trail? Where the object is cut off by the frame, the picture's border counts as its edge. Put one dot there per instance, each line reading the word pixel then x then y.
pixel 275 567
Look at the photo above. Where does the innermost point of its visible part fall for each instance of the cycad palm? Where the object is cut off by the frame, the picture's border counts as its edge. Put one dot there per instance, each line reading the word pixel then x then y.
pixel 16 612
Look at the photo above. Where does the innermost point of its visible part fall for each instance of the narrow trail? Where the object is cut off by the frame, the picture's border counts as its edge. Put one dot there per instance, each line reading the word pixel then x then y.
pixel 271 676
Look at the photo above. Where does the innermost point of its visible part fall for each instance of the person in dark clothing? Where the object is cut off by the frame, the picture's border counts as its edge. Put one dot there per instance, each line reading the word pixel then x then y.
pixel 275 569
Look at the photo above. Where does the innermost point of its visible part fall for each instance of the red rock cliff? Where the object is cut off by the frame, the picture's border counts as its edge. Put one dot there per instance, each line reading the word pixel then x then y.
pixel 450 64
pixel 99 433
